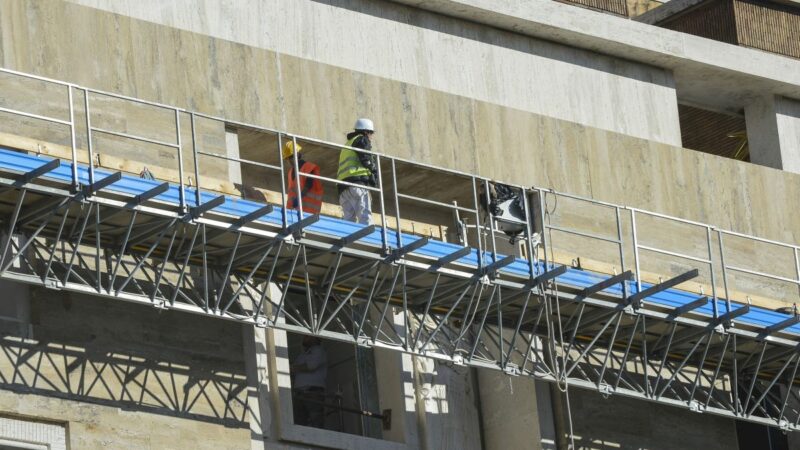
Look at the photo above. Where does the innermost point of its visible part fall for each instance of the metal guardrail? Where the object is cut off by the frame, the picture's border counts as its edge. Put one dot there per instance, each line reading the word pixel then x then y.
pixel 527 340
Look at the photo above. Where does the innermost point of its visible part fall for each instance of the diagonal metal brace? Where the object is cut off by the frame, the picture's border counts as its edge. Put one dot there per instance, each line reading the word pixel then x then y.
pixel 297 227
pixel 492 268
pixel 692 333
pixel 547 276
pixel 103 183
pixel 729 316
pixel 603 285
pixel 529 286
pixel 782 325
pixel 452 257
pixel 255 215
pixel 637 298
pixel 39 171
pixel 406 249
pixel 149 194
pixel 691 306
pixel 776 354
pixel 353 237
pixel 197 211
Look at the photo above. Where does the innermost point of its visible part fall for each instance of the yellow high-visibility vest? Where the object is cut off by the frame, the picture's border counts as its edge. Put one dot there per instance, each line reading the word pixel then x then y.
pixel 350 165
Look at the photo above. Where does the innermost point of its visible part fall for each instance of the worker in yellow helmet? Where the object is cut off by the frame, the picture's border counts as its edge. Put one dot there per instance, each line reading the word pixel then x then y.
pixel 358 168
pixel 311 188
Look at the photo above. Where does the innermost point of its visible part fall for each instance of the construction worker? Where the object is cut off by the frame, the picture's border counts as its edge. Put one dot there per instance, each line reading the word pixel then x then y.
pixel 311 192
pixel 357 168
pixel 504 204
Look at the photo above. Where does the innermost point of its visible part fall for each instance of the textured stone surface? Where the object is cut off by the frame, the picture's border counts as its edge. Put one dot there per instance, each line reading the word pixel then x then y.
pixel 123 376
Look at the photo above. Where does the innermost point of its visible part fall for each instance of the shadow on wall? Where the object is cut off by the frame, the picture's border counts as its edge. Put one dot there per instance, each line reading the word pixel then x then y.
pixel 145 373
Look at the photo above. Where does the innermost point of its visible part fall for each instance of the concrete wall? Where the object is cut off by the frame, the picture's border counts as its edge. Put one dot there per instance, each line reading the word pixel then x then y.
pixel 123 376
pixel 458 131
pixel 438 53
pixel 441 90
pixel 627 423
pixel 773 130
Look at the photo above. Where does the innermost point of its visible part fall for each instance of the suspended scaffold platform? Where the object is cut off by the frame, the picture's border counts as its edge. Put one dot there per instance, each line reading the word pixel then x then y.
pixel 70 226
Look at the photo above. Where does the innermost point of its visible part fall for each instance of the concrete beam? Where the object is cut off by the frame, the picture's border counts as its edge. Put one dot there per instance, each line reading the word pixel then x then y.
pixel 706 72
pixel 773 132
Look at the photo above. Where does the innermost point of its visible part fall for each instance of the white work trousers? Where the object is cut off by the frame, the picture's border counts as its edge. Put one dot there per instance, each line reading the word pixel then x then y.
pixel 357 205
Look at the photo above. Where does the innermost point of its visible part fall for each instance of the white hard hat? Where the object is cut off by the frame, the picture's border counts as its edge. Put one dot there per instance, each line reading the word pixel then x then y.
pixel 364 125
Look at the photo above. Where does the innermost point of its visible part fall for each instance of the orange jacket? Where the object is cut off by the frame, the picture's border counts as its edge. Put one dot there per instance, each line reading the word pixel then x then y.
pixel 312 198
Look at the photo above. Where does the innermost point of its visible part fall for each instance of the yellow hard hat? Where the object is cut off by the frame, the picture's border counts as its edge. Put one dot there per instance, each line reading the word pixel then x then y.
pixel 288 149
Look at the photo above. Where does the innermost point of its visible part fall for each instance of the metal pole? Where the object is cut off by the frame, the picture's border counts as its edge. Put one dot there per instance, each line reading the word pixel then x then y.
pixel 298 187
pixel 724 272
pixel 797 266
pixel 181 192
pixel 713 276
pixel 545 241
pixel 528 219
pixel 285 214
pixel 384 233
pixel 89 135
pixel 491 220
pixel 72 137
pixel 621 245
pixel 636 251
pixel 197 199
pixel 396 206
pixel 477 221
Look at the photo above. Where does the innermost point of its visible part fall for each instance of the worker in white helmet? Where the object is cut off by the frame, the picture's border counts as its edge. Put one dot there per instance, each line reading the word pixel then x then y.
pixel 357 168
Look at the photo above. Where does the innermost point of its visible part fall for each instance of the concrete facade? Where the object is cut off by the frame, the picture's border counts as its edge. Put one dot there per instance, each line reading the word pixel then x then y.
pixel 485 96
pixel 773 130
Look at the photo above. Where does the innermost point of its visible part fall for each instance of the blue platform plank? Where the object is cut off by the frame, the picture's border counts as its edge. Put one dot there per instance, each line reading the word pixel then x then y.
pixel 336 228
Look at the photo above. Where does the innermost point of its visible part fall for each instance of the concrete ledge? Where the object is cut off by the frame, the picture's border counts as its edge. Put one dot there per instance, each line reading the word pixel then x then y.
pixel 706 71
pixel 669 9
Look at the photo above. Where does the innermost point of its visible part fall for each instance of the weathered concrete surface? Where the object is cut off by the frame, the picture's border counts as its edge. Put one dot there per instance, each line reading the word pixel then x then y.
pixel 509 421
pixel 123 376
pixel 414 122
pixel 773 132
pixel 706 72
pixel 626 423
pixel 427 50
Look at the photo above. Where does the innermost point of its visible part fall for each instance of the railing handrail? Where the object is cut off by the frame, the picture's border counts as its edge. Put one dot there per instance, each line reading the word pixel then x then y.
pixel 382 189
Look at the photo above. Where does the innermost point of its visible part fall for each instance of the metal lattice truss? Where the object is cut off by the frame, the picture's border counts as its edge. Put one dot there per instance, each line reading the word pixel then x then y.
pixel 74 233
pixel 198 261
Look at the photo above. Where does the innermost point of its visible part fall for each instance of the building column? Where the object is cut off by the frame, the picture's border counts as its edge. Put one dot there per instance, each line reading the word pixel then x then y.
pixel 232 151
pixel 256 360
pixel 773 132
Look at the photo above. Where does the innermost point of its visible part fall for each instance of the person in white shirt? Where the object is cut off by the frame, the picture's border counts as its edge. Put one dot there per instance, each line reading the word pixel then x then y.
pixel 310 373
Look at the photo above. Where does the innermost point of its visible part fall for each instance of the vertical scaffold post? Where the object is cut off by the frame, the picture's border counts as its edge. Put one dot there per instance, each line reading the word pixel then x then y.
pixel 179 143
pixel 621 245
pixel 89 135
pixel 797 266
pixel 713 273
pixel 636 251
pixel 298 188
pixel 724 272
pixel 72 138
pixel 542 211
pixel 399 239
pixel 285 214
pixel 488 200
pixel 384 233
pixel 476 200
pixel 197 198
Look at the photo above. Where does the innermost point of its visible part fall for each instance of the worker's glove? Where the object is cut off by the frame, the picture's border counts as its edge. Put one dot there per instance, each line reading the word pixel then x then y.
pixel 494 209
